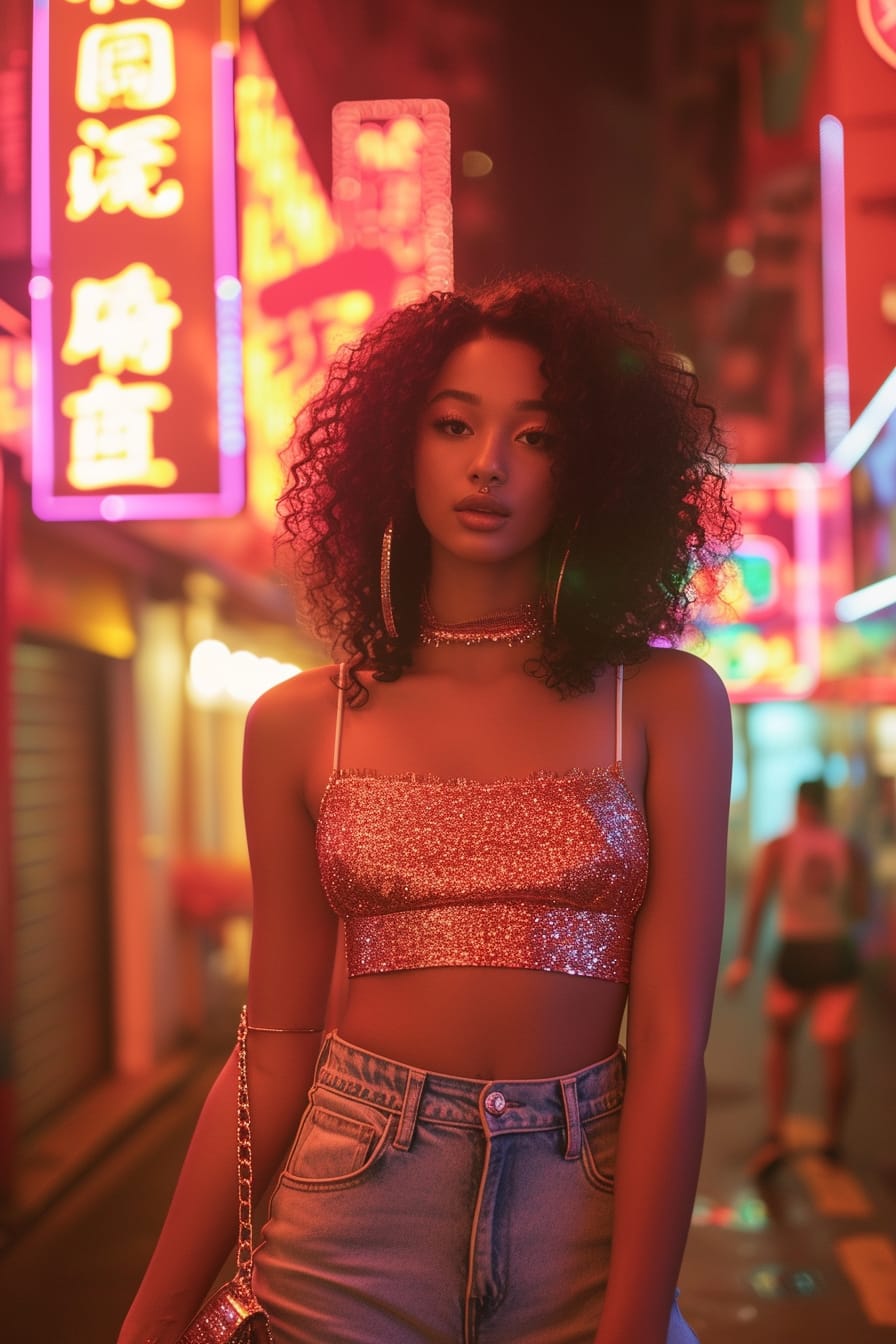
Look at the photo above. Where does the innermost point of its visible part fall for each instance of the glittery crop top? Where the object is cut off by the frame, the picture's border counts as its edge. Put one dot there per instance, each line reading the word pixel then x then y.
pixel 546 872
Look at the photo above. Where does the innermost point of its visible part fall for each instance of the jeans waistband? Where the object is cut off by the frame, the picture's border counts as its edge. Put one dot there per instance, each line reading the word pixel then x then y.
pixel 499 1105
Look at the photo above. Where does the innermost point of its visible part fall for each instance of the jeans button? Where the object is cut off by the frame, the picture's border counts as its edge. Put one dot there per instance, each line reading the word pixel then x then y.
pixel 495 1103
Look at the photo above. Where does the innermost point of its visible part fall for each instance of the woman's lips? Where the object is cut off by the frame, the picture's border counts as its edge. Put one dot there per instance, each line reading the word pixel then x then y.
pixel 481 520
pixel 481 512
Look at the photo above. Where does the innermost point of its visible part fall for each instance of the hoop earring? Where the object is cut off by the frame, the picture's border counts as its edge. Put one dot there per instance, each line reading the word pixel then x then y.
pixel 562 571
pixel 386 582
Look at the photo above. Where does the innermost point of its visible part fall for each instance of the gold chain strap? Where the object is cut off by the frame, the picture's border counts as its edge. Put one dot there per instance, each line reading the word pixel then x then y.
pixel 243 1157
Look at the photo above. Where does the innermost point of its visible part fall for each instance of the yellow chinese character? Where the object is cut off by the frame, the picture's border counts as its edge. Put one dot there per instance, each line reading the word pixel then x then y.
pixel 120 168
pixel 112 435
pixel 125 65
pixel 106 6
pixel 126 321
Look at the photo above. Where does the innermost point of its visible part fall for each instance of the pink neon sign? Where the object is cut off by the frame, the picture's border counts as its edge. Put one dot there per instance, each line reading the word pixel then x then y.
pixel 392 188
pixel 135 292
pixel 769 646
pixel 833 266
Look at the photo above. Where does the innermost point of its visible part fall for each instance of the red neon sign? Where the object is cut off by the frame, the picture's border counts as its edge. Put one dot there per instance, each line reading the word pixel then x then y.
pixel 135 294
pixel 878 23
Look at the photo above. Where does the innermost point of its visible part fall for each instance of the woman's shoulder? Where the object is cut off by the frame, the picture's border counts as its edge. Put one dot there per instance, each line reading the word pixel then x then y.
pixel 674 682
pixel 296 705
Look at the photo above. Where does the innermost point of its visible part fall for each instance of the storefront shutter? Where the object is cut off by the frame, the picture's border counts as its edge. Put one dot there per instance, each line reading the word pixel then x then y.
pixel 61 1012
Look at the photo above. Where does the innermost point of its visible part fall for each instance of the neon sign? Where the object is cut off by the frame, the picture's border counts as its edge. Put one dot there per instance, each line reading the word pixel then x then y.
pixel 878 22
pixel 135 293
pixel 764 635
pixel 318 272
pixel 392 188
pixel 833 268
pixel 15 391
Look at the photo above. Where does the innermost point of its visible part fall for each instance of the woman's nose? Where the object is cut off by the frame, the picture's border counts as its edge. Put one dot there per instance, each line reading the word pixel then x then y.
pixel 489 464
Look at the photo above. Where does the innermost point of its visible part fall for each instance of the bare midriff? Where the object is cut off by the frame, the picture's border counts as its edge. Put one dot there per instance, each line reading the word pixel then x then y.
pixel 483 1022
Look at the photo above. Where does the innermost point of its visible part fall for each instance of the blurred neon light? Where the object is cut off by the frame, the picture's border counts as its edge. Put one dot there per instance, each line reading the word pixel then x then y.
pixel 224 158
pixel 112 435
pixel 392 187
pixel 755 584
pixel 228 291
pixel 40 139
pixel 865 601
pixel 40 288
pixel 807 564
pixel 15 391
pixel 876 26
pixel 774 651
pixel 125 320
pixel 218 674
pixel 805 482
pixel 106 6
pixel 129 64
pixel 868 424
pixel 833 270
pixel 118 168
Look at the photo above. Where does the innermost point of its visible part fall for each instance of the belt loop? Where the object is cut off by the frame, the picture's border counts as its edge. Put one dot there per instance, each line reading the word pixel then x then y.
pixel 413 1091
pixel 573 1124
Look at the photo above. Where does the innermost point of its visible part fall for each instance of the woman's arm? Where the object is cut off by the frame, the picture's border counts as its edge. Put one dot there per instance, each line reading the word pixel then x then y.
pixel 674 967
pixel 293 936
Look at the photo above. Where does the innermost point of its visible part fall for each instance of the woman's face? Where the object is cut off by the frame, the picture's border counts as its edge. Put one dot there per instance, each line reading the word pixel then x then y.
pixel 482 465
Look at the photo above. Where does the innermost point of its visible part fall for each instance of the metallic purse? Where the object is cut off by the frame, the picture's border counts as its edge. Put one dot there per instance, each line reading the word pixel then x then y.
pixel 233 1314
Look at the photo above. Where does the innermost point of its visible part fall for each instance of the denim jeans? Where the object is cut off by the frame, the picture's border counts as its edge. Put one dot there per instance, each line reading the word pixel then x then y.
pixel 422 1207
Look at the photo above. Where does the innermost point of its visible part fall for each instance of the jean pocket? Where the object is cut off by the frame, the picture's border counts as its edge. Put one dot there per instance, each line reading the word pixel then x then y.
pixel 336 1143
pixel 599 1141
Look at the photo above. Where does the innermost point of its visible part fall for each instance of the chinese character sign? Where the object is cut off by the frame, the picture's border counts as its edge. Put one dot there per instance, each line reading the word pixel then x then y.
pixel 138 409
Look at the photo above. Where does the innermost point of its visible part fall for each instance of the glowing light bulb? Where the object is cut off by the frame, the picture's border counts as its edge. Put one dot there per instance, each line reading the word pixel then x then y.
pixel 209 663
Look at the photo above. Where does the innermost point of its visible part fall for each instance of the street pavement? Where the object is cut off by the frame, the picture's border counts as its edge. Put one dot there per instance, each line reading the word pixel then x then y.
pixel 808 1255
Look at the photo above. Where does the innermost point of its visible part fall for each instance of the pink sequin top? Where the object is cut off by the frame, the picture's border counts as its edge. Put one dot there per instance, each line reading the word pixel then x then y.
pixel 544 873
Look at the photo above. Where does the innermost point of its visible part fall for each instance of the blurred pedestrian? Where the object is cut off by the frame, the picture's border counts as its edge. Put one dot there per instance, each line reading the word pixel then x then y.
pixel 819 879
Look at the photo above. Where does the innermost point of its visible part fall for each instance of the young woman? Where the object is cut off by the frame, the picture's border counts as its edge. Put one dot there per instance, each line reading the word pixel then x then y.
pixel 514 804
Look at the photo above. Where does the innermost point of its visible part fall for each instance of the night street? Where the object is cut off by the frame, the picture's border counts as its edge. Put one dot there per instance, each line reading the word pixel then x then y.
pixel 448 516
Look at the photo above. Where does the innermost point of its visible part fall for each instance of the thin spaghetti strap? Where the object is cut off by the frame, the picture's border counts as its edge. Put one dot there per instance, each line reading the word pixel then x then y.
pixel 340 715
pixel 619 673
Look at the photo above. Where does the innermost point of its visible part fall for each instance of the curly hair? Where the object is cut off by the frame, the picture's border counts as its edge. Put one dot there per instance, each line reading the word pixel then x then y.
pixel 639 468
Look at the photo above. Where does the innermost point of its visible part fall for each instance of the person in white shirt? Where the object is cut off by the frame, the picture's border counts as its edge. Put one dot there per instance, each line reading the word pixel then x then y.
pixel 821 880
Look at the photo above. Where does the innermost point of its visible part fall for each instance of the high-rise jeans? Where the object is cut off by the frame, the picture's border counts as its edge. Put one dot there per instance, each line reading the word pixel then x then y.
pixel 421 1207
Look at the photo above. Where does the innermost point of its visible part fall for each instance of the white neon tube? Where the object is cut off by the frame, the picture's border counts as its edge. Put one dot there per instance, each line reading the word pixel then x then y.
pixel 860 436
pixel 864 601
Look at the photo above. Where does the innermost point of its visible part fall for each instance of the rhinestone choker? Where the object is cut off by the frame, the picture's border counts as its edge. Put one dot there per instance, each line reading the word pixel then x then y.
pixel 515 626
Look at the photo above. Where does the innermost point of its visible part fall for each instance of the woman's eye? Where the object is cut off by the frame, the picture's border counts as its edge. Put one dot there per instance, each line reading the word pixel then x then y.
pixel 536 438
pixel 451 425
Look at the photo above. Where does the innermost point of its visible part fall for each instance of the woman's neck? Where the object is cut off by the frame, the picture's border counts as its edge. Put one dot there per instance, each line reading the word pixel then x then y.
pixel 467 592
